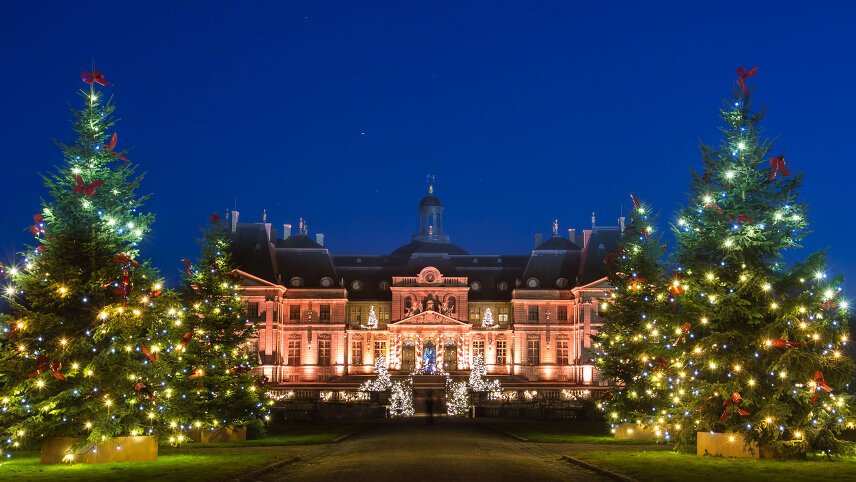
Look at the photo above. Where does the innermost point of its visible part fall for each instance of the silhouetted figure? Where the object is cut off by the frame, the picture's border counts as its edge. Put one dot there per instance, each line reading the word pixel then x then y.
pixel 429 406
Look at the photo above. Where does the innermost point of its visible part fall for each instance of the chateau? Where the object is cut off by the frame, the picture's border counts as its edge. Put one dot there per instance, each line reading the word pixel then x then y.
pixel 428 307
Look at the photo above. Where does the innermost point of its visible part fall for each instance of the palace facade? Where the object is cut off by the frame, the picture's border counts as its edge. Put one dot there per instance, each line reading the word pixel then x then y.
pixel 428 307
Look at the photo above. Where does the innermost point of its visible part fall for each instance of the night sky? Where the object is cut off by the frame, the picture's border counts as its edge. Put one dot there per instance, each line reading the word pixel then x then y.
pixel 337 111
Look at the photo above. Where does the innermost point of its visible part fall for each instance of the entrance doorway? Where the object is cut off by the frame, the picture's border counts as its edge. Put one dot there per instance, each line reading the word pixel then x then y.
pixel 408 356
pixel 429 357
pixel 450 356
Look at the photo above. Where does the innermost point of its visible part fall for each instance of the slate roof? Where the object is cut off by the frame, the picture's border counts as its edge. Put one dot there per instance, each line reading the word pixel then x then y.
pixel 557 258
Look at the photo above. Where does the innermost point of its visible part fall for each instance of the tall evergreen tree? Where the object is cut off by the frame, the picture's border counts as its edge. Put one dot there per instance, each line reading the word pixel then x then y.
pixel 214 359
pixel 82 355
pixel 767 359
pixel 640 345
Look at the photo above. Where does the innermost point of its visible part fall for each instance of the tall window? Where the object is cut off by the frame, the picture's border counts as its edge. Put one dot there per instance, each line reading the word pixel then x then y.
pixel 533 313
pixel 478 348
pixel 383 313
pixel 324 312
pixel 324 352
pixel 562 313
pixel 379 349
pixel 533 351
pixel 502 315
pixel 357 352
pixel 253 311
pixel 294 352
pixel 475 313
pixel 562 352
pixel 294 312
pixel 501 358
pixel 357 314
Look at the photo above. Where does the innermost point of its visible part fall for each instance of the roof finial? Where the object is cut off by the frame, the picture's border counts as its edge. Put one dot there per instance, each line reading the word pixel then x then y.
pixel 301 227
pixel 592 219
pixel 431 178
pixel 264 215
pixel 555 227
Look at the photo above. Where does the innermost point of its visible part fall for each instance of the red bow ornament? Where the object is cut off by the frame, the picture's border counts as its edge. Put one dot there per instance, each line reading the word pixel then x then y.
pixel 151 356
pixel 144 390
pixel 187 267
pixel 197 372
pixel 778 165
pixel 86 189
pixel 661 364
pixel 125 259
pixel 38 226
pixel 743 75
pixel 782 343
pixel 685 330
pixel 636 202
pixel 214 218
pixel 740 218
pixel 828 305
pixel 736 400
pixel 94 77
pixel 112 145
pixel 819 385
pixel 43 364
pixel 185 339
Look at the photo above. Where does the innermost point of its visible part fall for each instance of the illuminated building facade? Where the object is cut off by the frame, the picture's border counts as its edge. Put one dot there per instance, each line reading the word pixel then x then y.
pixel 428 307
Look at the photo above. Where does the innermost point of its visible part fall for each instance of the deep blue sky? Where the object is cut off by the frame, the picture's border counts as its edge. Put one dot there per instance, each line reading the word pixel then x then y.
pixel 336 111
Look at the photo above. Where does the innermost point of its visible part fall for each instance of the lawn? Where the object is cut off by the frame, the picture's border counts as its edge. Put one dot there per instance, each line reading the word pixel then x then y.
pixel 213 461
pixel 581 432
pixel 670 466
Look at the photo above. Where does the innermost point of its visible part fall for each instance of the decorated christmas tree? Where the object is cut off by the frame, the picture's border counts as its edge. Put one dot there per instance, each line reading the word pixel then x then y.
pixel 82 356
pixel 766 355
pixel 477 381
pixel 641 343
pixel 372 323
pixel 214 359
pixel 382 381
pixel 457 397
pixel 401 398
pixel 487 319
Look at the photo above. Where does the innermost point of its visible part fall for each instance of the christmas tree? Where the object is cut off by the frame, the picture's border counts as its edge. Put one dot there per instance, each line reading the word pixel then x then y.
pixel 214 360
pixel 401 398
pixel 82 356
pixel 477 382
pixel 641 341
pixel 372 323
pixel 767 355
pixel 382 381
pixel 457 397
pixel 487 319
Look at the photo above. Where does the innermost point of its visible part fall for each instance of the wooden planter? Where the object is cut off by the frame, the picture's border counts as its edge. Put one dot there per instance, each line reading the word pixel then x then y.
pixel 141 448
pixel 632 431
pixel 725 445
pixel 222 434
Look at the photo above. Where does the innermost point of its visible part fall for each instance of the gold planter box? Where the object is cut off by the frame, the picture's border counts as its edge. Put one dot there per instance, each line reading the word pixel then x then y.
pixel 222 434
pixel 632 431
pixel 725 445
pixel 141 448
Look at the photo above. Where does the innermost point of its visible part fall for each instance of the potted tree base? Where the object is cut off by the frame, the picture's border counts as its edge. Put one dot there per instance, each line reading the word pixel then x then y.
pixel 218 434
pixel 140 448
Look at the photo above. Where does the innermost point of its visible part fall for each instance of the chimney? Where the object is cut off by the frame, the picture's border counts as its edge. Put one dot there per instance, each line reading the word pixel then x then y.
pixel 539 238
pixel 234 221
pixel 319 238
pixel 286 231
pixel 572 235
pixel 586 236
pixel 621 225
